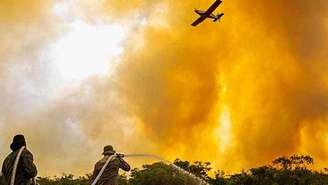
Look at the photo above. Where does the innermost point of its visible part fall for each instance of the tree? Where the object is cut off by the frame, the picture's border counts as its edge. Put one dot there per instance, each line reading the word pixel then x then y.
pixel 219 178
pixel 198 168
pixel 301 161
pixel 294 162
pixel 64 180
pixel 160 174
pixel 123 179
pixel 283 162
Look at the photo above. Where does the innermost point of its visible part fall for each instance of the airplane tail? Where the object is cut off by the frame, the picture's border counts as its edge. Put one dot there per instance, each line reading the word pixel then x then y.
pixel 218 17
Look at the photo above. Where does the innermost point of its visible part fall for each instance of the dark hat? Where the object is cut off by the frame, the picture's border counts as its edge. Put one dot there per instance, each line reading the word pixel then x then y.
pixel 108 150
pixel 18 142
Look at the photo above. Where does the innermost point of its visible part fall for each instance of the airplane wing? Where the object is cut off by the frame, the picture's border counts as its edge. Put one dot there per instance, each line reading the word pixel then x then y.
pixel 213 7
pixel 199 20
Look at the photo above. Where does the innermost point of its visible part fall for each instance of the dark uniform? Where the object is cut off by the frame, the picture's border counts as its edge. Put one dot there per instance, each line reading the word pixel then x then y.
pixel 26 170
pixel 110 175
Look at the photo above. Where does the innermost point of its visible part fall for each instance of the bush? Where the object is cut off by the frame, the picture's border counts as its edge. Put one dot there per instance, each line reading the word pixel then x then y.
pixel 160 174
pixel 294 170
pixel 64 180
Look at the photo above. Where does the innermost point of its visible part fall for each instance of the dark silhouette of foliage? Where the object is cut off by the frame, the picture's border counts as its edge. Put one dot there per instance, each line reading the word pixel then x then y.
pixel 294 162
pixel 64 180
pixel 197 168
pixel 123 179
pixel 294 170
pixel 160 174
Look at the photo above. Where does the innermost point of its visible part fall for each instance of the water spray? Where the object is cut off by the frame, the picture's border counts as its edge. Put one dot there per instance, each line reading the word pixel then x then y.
pixel 183 171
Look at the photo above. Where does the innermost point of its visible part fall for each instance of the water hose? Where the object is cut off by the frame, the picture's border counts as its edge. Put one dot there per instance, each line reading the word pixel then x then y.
pixel 13 174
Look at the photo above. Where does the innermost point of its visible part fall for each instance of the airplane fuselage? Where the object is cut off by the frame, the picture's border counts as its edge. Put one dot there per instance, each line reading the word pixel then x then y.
pixel 203 13
pixel 211 16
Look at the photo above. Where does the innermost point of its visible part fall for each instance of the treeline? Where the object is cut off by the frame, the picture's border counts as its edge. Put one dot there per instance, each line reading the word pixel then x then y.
pixel 294 170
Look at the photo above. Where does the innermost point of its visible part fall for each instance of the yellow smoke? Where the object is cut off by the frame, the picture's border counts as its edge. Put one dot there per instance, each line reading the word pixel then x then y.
pixel 237 93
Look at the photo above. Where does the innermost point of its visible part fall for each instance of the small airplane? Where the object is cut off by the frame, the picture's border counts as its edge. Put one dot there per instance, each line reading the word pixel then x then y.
pixel 208 13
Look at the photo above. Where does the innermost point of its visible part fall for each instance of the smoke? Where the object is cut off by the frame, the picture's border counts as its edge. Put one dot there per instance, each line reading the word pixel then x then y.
pixel 265 62
pixel 284 91
pixel 238 93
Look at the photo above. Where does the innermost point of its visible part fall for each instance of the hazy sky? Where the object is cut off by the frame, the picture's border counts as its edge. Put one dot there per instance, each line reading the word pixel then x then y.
pixel 76 75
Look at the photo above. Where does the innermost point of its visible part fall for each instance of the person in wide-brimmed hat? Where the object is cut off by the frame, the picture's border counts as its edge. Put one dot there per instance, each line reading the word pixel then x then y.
pixel 109 150
pixel 26 169
pixel 18 142
pixel 110 174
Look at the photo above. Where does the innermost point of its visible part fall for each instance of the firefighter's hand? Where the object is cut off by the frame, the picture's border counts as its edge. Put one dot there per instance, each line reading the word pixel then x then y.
pixel 120 155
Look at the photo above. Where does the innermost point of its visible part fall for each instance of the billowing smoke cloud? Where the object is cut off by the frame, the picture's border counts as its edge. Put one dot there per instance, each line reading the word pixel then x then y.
pixel 237 93
pixel 283 91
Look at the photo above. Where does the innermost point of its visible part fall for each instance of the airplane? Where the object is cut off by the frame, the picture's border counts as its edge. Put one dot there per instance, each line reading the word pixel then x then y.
pixel 208 13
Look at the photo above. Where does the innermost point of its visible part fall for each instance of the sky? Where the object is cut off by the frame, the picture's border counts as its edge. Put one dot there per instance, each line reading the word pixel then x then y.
pixel 76 75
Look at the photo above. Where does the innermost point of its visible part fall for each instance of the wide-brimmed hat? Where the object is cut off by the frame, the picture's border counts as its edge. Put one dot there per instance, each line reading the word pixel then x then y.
pixel 18 142
pixel 108 150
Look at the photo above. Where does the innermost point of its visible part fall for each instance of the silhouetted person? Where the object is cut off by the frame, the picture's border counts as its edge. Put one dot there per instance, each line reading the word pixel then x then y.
pixel 26 169
pixel 109 177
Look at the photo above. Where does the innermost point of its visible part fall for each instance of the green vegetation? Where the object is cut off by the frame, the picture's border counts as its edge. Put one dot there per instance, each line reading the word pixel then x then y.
pixel 294 170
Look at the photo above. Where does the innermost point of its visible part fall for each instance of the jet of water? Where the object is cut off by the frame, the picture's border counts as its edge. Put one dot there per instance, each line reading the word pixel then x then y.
pixel 183 171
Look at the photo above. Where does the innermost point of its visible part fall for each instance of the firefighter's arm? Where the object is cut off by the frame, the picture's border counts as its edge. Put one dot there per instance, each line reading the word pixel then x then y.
pixel 124 165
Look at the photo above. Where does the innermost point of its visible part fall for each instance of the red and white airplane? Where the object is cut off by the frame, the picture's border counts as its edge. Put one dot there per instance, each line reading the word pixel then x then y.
pixel 208 13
